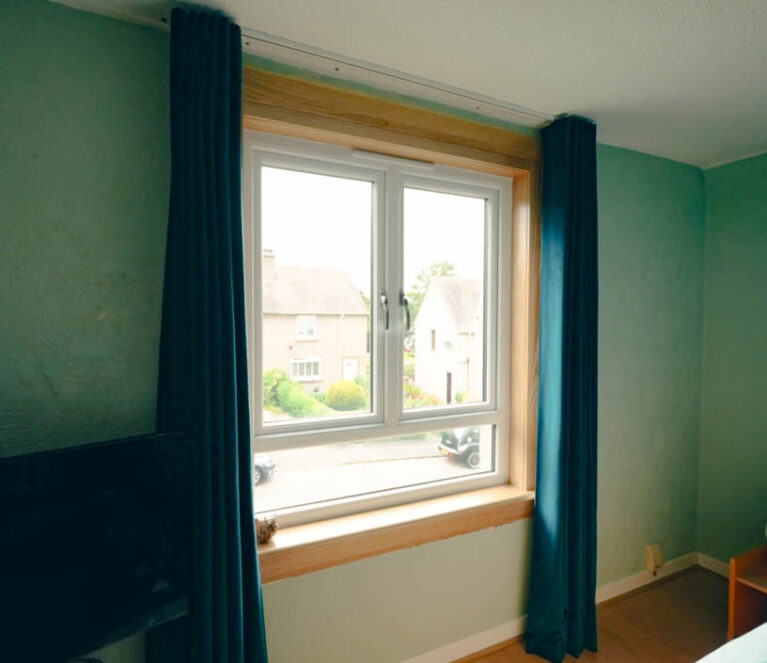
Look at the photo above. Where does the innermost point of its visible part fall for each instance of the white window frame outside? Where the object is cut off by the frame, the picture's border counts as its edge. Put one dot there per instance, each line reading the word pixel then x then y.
pixel 302 335
pixel 306 360
pixel 389 178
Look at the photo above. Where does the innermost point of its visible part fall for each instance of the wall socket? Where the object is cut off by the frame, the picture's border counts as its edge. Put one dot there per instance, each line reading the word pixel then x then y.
pixel 653 558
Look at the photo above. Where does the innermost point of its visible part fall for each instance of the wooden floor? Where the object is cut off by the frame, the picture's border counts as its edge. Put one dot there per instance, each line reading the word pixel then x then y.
pixel 677 621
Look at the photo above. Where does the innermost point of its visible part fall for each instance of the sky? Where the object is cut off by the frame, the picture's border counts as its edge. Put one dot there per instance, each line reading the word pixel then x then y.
pixel 311 220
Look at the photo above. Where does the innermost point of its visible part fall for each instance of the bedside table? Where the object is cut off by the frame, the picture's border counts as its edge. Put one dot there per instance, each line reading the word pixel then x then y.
pixel 748 591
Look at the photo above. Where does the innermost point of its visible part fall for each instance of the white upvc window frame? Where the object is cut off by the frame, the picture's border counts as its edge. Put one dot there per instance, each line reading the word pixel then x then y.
pixel 302 335
pixel 295 361
pixel 389 178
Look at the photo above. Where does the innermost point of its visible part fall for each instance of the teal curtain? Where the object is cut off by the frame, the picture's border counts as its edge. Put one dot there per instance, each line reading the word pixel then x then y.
pixel 203 381
pixel 561 613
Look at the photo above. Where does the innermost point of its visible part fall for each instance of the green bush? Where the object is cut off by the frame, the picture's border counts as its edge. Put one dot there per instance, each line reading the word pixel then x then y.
pixel 345 395
pixel 293 400
pixel 319 396
pixel 272 378
pixel 416 397
pixel 363 381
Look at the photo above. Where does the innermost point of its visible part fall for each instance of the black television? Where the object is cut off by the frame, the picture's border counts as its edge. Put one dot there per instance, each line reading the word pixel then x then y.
pixel 95 545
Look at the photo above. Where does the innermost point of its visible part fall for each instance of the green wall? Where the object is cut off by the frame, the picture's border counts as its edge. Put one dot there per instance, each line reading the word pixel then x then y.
pixel 732 499
pixel 650 312
pixel 83 206
pixel 83 198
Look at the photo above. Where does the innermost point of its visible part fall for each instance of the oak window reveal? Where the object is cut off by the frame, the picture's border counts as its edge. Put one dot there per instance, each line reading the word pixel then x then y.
pixel 384 252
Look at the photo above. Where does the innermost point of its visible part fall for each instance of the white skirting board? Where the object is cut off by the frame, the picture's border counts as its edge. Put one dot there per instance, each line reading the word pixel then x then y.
pixel 630 583
pixel 473 643
pixel 713 564
pixel 515 628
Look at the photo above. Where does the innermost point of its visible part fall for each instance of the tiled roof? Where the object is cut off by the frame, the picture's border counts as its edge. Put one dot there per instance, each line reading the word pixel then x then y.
pixel 312 290
pixel 462 297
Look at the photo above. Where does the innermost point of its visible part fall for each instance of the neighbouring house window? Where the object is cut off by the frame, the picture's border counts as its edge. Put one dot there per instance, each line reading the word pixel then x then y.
pixel 366 244
pixel 306 327
pixel 305 369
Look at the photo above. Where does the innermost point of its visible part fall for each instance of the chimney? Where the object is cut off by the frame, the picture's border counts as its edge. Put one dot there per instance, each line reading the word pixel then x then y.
pixel 267 266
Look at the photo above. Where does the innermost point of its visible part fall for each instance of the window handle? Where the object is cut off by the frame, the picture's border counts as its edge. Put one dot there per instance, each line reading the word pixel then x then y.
pixel 404 302
pixel 385 304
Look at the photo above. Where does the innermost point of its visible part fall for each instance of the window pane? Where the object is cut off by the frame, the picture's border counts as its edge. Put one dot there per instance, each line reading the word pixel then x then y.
pixel 316 235
pixel 306 325
pixel 295 477
pixel 444 267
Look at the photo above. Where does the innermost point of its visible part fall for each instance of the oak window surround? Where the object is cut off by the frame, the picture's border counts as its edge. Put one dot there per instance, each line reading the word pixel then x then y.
pixel 299 108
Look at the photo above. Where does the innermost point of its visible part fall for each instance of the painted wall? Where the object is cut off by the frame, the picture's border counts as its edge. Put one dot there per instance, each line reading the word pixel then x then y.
pixel 391 607
pixel 83 198
pixel 83 208
pixel 650 314
pixel 732 499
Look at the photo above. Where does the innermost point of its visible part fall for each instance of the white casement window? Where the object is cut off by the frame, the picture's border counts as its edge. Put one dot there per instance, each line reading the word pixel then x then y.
pixel 408 264
pixel 306 327
pixel 305 369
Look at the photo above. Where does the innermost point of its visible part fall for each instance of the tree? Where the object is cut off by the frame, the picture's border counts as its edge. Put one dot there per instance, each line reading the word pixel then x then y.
pixel 365 299
pixel 417 291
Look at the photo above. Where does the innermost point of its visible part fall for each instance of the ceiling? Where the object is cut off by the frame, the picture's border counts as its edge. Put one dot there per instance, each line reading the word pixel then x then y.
pixel 684 79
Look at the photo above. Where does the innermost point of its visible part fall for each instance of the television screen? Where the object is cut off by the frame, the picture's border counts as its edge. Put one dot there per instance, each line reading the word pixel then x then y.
pixel 95 545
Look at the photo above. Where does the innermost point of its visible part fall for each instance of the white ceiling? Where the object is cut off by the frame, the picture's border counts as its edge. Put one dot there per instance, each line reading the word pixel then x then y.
pixel 684 79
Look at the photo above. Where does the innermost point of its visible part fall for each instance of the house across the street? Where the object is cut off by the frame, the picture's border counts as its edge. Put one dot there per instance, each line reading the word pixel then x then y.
pixel 314 325
pixel 448 339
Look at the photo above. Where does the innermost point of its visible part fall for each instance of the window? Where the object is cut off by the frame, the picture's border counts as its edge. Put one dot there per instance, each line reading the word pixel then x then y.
pixel 306 327
pixel 386 251
pixel 305 370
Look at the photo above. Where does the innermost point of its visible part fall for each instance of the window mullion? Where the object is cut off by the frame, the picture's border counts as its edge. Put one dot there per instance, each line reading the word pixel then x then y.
pixel 379 351
pixel 393 262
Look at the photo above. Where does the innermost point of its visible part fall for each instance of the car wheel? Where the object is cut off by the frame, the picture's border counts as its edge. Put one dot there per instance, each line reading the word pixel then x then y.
pixel 258 476
pixel 472 459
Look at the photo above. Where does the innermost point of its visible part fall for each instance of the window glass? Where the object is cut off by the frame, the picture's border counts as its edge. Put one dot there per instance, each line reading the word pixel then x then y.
pixel 316 268
pixel 308 475
pixel 307 327
pixel 444 268
pixel 380 355
pixel 305 370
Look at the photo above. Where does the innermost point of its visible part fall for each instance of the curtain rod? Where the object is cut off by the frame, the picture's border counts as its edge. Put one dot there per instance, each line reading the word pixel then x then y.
pixel 335 64
pixel 261 43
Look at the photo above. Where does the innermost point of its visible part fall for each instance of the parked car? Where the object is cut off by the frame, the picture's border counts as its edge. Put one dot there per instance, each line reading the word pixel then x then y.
pixel 263 466
pixel 461 443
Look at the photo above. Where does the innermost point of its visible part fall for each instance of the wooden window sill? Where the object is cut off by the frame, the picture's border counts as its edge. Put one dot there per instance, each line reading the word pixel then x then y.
pixel 314 546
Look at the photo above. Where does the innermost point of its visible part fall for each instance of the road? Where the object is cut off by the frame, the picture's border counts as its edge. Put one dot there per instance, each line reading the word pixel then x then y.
pixel 314 474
